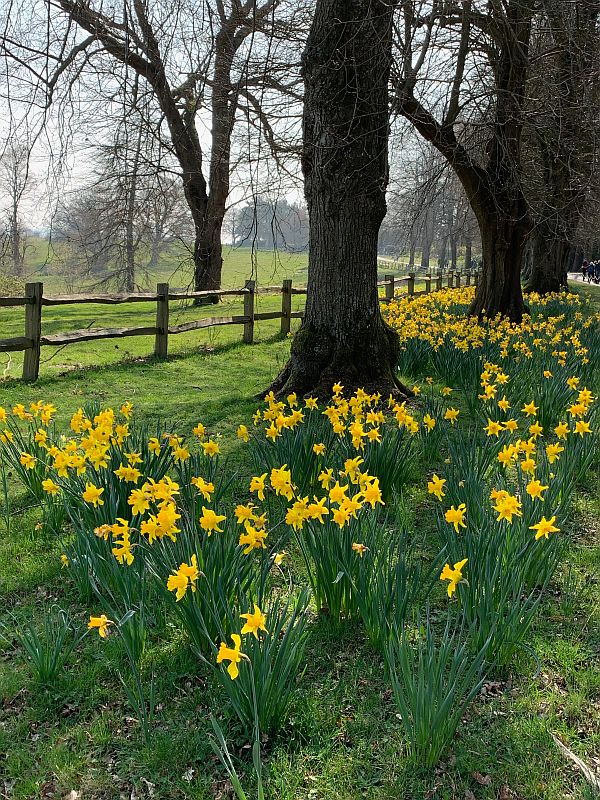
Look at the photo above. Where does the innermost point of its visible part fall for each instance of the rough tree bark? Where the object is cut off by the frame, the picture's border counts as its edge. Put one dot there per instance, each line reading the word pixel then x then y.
pixel 503 241
pixel 565 137
pixel 343 337
pixel 550 264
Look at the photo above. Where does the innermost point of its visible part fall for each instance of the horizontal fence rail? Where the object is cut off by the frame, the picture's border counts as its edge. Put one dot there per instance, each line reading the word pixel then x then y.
pixel 34 301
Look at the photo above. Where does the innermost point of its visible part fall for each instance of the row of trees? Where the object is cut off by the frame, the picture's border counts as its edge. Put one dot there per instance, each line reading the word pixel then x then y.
pixel 501 91
pixel 479 120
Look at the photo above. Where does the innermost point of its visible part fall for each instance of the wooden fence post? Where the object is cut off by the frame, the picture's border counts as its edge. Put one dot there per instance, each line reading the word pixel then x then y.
pixel 389 288
pixel 427 283
pixel 439 281
pixel 411 283
pixel 248 337
pixel 33 330
pixel 450 279
pixel 475 278
pixel 468 279
pixel 457 280
pixel 161 340
pixel 286 306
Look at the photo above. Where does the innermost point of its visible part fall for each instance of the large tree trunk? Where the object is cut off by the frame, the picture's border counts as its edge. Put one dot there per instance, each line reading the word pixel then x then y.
pixel 343 337
pixel 209 252
pixel 503 241
pixel 549 266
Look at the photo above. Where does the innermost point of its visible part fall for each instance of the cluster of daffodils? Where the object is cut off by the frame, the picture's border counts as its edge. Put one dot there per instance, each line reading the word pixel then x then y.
pixel 346 494
pixel 131 489
pixel 359 419
pixel 523 452
pixel 322 472
pixel 276 418
pixel 441 316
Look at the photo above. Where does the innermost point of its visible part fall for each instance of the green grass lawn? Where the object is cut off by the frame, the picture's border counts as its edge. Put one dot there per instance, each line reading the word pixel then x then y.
pixel 240 265
pixel 343 738
pixel 45 262
pixel 267 268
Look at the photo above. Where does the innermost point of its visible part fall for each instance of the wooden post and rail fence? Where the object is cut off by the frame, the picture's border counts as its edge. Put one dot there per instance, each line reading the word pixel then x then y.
pixel 34 301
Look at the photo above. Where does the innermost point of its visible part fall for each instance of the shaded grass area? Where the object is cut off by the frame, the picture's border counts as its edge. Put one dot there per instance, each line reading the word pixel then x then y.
pixel 343 738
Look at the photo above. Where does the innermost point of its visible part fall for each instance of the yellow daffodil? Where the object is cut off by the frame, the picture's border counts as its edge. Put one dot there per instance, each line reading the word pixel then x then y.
pixel 206 488
pixel 507 506
pixel 255 622
pixel 535 489
pixel 553 452
pixel 257 485
pixel 210 448
pixel 28 461
pixel 183 578
pixel 544 527
pixel 493 428
pixel 530 409
pixel 209 521
pixel 93 495
pixel 231 654
pixel 451 414
pixel 429 422
pixel 453 576
pixel 436 487
pixel 101 624
pixel 582 427
pixel 252 538
pixel 456 516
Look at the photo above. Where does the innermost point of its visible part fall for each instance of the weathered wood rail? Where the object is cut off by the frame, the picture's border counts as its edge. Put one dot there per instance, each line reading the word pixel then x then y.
pixel 35 300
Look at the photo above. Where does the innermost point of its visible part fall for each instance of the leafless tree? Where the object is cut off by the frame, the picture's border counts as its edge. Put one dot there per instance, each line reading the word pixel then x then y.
pixel 208 66
pixel 475 119
pixel 497 87
pixel 15 180
pixel 113 232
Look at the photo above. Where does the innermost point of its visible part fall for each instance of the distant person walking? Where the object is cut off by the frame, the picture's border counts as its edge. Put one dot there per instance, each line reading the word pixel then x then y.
pixel 584 270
